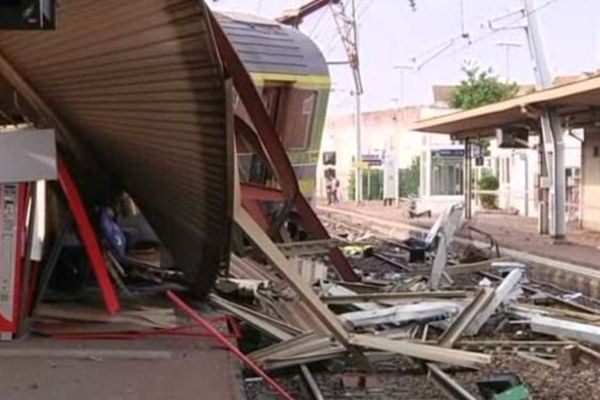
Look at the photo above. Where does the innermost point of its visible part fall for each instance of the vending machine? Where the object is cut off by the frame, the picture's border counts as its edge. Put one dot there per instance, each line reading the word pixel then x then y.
pixel 12 228
pixel 26 156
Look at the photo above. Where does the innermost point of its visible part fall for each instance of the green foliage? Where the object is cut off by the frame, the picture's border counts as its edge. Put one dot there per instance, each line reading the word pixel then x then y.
pixel 480 88
pixel 410 179
pixel 488 182
pixel 375 192
pixel 352 187
pixel 376 181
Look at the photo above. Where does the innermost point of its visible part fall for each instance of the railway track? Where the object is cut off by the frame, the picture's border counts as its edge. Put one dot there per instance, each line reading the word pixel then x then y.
pixel 556 275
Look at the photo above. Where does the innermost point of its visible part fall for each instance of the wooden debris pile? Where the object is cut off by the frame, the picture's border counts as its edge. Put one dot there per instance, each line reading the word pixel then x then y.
pixel 436 315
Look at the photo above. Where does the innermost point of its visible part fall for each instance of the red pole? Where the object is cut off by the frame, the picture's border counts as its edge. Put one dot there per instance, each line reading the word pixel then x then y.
pixel 206 325
pixel 89 238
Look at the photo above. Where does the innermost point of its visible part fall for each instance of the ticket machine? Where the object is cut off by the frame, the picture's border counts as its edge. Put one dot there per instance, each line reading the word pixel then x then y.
pixel 26 156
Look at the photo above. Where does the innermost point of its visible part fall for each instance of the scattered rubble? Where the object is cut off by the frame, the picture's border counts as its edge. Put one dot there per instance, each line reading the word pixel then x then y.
pixel 378 338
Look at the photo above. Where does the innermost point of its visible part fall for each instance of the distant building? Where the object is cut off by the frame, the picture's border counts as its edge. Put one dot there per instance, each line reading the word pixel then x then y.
pixel 516 169
pixel 517 172
pixel 384 137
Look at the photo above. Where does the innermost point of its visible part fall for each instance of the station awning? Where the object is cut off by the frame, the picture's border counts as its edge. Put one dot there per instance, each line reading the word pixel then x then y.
pixel 579 101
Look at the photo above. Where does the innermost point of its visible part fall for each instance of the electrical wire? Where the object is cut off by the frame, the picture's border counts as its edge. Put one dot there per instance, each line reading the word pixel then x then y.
pixel 362 12
pixel 317 24
pixel 522 14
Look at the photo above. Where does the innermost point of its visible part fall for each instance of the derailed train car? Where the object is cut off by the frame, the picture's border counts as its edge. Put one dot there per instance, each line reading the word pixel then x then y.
pixel 293 78
pixel 138 95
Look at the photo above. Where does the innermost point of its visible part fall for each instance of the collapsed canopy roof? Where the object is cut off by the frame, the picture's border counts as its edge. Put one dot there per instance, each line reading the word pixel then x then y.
pixel 140 84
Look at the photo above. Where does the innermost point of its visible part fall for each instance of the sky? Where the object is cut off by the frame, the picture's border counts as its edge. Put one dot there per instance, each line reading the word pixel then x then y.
pixel 392 34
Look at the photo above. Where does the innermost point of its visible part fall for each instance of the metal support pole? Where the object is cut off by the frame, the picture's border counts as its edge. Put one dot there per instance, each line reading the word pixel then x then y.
pixel 358 90
pixel 467 181
pixel 358 179
pixel 552 133
pixel 542 191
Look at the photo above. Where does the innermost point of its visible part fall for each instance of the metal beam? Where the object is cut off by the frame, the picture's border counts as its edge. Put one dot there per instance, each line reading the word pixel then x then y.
pixel 294 17
pixel 551 130
pixel 464 319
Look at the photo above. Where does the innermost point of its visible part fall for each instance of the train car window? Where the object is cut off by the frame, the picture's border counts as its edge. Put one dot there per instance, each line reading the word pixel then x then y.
pixel 272 97
pixel 298 118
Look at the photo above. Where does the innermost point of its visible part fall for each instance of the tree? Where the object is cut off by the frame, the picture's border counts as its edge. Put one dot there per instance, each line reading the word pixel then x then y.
pixel 410 179
pixel 480 88
pixel 491 183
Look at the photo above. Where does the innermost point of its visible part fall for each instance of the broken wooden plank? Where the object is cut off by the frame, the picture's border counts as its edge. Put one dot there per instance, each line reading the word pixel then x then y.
pixel 285 269
pixel 501 293
pixel 277 329
pixel 564 328
pixel 308 247
pixel 468 314
pixel 147 317
pixel 249 269
pixel 306 342
pixel 304 349
pixel 420 351
pixel 365 297
pixel 527 311
pixel 297 313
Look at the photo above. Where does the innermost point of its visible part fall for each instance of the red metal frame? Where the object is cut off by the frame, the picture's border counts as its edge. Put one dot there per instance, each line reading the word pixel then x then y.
pixel 255 210
pixel 262 193
pixel 247 133
pixel 24 194
pixel 89 238
pixel 267 141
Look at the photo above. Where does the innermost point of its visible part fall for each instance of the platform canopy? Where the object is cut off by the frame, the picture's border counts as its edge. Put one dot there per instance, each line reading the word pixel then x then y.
pixel 577 103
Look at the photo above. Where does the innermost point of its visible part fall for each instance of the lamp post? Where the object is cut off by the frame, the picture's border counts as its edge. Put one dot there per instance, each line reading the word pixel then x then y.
pixel 507 46
pixel 402 68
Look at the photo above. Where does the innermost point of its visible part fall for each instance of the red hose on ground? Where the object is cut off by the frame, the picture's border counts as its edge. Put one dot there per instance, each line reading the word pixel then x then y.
pixel 206 325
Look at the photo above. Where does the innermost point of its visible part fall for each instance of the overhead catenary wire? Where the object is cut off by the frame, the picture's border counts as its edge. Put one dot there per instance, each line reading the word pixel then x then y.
pixel 521 14
pixel 317 25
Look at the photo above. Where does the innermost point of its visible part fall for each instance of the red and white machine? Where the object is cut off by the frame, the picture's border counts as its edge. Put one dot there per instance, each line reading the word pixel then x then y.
pixel 13 204
pixel 26 155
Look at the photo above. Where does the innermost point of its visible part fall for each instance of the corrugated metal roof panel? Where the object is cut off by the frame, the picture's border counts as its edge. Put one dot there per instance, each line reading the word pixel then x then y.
pixel 141 83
